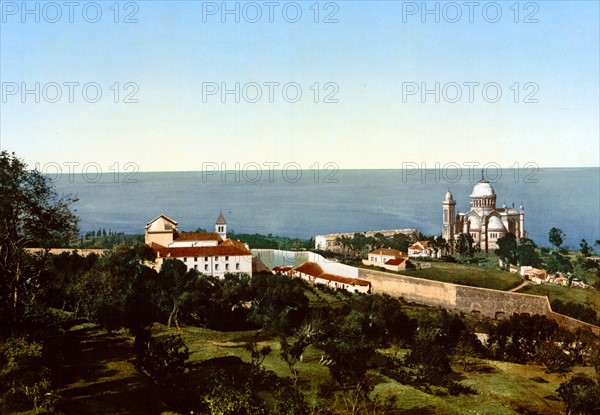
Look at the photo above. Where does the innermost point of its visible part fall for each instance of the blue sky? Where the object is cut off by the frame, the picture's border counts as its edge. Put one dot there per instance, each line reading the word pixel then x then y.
pixel 369 63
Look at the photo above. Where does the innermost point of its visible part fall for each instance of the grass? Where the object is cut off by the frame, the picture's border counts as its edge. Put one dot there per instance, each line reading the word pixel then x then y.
pixel 482 276
pixel 504 388
pixel 587 297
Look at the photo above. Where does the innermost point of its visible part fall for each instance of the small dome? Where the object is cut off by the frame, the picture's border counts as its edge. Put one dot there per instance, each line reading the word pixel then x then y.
pixel 483 188
pixel 495 225
pixel 448 196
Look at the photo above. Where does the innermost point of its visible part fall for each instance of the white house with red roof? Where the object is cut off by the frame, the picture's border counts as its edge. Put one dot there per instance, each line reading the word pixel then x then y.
pixel 210 253
pixel 391 259
pixel 314 274
pixel 420 249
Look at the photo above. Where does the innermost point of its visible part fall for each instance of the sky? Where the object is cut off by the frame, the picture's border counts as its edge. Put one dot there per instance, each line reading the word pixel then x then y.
pixel 184 85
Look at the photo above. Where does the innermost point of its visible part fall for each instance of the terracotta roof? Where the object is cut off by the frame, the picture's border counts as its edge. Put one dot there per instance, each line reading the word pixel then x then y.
pixel 221 219
pixel 286 269
pixel 418 245
pixel 198 236
pixel 387 251
pixel 344 280
pixel 395 261
pixel 310 268
pixel 223 249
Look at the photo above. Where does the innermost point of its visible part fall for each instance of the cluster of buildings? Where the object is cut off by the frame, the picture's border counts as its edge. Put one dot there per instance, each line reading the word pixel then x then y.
pixel 210 253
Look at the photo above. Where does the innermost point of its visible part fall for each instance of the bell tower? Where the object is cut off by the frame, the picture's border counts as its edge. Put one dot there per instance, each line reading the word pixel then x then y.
pixel 221 226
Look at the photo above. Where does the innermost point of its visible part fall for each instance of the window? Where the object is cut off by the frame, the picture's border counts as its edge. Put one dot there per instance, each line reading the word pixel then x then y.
pixel 226 258
pixel 216 258
pixel 205 267
pixel 184 259
pixel 195 267
pixel 195 259
pixel 227 266
pixel 206 258
pixel 237 266
pixel 216 267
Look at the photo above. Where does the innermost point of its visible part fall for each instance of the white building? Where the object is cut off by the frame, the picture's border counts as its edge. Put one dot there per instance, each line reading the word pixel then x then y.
pixel 391 259
pixel 484 221
pixel 210 253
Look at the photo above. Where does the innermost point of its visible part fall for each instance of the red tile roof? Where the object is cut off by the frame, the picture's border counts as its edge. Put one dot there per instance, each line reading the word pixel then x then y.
pixel 313 269
pixel 310 268
pixel 395 261
pixel 227 248
pixel 344 280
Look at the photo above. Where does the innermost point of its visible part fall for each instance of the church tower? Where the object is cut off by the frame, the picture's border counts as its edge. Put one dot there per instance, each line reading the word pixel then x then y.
pixel 449 218
pixel 221 226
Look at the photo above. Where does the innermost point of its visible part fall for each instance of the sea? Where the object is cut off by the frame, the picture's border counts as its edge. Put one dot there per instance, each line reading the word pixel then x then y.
pixel 304 203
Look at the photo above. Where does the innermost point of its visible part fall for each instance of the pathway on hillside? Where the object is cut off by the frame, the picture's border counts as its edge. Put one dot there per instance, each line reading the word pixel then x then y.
pixel 522 285
pixel 99 376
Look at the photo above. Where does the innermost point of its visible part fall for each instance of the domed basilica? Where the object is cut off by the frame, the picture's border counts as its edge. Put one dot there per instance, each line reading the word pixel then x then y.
pixel 484 222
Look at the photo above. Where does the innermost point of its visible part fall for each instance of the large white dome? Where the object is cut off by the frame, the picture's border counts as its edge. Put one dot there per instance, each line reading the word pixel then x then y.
pixel 496 225
pixel 483 188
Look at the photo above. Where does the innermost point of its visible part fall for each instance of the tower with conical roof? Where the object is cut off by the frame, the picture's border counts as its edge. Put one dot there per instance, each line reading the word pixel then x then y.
pixel 221 226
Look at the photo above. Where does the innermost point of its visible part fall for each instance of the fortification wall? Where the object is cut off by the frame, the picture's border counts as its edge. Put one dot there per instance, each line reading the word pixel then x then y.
pixel 483 301
pixel 417 290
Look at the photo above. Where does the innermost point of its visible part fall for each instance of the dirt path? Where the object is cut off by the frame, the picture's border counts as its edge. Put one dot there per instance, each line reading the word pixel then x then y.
pixel 522 285
pixel 99 376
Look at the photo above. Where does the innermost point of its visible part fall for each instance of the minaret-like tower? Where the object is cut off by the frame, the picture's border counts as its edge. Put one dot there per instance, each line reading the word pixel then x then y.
pixel 221 226
pixel 449 217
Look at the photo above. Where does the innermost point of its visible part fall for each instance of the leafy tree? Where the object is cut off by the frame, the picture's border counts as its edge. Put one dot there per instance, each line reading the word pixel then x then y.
pixel 178 285
pixel 164 360
pixel 556 237
pixel 527 253
pixel 349 349
pixel 581 395
pixel 507 249
pixel 586 249
pixel 464 245
pixel 517 339
pixel 123 289
pixel 32 215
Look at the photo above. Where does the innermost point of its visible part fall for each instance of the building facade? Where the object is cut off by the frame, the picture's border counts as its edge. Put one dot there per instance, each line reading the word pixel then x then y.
pixel 484 221
pixel 210 253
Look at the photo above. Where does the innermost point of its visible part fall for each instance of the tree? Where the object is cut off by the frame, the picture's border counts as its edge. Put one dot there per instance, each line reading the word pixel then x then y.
pixel 581 395
pixel 586 249
pixel 556 237
pixel 507 249
pixel 31 215
pixel 178 285
pixel 527 253
pixel 464 245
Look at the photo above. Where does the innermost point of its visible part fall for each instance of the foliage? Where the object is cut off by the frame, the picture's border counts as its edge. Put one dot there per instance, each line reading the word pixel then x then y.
pixel 576 310
pixel 164 360
pixel 518 338
pixel 507 249
pixel 32 215
pixel 465 246
pixel 527 253
pixel 278 302
pixel 556 237
pixel 123 289
pixel 24 378
pixel 93 240
pixel 581 395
